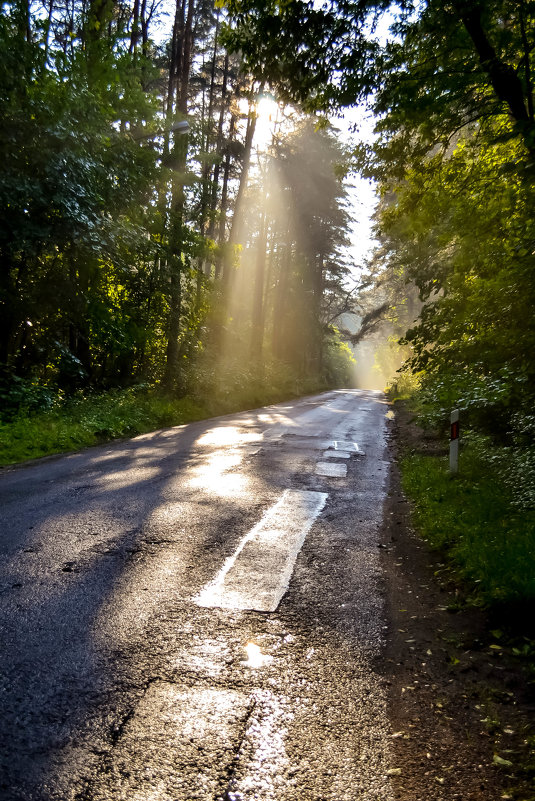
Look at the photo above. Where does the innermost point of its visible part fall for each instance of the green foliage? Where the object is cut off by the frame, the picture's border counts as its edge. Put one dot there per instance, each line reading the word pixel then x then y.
pixel 24 396
pixel 319 55
pixel 71 191
pixel 339 363
pixel 402 386
pixel 82 422
pixel 108 226
pixel 461 230
pixel 472 518
pixel 452 67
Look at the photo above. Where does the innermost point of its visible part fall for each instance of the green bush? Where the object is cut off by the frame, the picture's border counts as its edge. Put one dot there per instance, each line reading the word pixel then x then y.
pixel 25 395
pixel 40 422
pixel 82 422
pixel 339 364
pixel 474 520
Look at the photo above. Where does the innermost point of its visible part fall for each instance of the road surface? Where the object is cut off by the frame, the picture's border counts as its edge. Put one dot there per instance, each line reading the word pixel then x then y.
pixel 196 613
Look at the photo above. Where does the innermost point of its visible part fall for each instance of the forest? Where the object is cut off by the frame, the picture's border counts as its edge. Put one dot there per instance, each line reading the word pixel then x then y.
pixel 175 215
pixel 149 236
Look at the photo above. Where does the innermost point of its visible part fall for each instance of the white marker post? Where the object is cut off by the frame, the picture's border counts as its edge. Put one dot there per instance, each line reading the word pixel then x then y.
pixel 454 441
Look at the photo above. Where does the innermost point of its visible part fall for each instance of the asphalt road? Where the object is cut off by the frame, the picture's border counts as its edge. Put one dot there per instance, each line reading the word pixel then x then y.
pixel 196 613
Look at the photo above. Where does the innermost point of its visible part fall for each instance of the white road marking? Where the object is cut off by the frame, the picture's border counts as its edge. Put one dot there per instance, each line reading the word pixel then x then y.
pixel 258 573
pixel 331 469
pixel 335 455
pixel 309 442
pixel 344 445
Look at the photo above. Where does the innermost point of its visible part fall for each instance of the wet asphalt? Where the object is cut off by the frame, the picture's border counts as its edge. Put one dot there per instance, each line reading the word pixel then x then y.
pixel 117 681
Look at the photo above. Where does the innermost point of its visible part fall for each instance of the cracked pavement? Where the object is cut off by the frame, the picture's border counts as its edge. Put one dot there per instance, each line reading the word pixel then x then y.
pixel 120 680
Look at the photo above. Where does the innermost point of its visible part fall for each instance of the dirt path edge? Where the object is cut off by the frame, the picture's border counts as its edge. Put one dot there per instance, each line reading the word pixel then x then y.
pixel 456 708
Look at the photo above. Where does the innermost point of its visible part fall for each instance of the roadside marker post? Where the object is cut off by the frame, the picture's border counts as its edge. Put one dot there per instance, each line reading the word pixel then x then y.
pixel 454 442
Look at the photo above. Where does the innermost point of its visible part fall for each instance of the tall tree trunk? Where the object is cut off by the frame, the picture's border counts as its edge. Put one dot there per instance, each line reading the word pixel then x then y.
pixel 237 218
pixel 144 21
pixel 503 77
pixel 179 157
pixel 95 30
pixel 47 29
pixel 134 34
pixel 8 302
pixel 224 200
pixel 205 188
pixel 316 322
pixel 527 59
pixel 258 315
pixel 278 336
pixel 206 170
pixel 218 147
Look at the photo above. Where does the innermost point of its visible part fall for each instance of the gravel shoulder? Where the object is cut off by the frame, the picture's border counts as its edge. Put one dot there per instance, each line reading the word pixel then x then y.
pixel 459 710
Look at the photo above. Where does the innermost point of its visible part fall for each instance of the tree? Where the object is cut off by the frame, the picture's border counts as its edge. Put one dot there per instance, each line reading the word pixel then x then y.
pixel 469 253
pixel 71 178
pixel 450 64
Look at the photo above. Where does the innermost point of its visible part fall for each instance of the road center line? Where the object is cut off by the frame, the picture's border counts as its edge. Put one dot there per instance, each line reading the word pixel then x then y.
pixel 331 469
pixel 258 573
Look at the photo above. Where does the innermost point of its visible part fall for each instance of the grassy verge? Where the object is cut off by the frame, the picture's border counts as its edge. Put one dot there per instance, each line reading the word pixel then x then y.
pixel 471 518
pixel 486 542
pixel 89 421
pixel 124 413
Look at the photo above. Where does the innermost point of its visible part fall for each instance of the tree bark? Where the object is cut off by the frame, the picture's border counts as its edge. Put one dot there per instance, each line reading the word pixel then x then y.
pixel 257 331
pixel 205 188
pixel 502 76
pixel 218 147
pixel 179 157
pixel 134 33
pixel 224 200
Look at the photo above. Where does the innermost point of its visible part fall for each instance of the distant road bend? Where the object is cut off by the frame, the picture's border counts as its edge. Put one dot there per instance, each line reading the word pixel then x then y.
pixel 196 613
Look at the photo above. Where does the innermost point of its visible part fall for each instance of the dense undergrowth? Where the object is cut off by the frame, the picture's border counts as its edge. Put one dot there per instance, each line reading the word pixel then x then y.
pixel 48 424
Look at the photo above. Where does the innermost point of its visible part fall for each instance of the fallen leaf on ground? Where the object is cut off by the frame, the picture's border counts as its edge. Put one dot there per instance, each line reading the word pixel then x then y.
pixel 503 763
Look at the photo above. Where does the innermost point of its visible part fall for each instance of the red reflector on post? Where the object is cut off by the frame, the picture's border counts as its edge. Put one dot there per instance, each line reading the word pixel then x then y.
pixel 454 434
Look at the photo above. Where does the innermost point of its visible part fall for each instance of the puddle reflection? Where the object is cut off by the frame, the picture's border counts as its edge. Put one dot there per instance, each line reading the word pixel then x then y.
pixel 255 657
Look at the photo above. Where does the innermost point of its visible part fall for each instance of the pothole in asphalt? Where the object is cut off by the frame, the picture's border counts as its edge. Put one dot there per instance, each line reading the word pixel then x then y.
pixel 70 567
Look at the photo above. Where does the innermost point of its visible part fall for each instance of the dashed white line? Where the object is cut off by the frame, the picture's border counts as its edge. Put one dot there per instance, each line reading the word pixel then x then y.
pixel 331 469
pixel 258 573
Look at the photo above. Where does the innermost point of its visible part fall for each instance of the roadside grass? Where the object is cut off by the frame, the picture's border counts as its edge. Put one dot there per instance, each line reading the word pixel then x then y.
pixel 94 419
pixel 89 421
pixel 472 519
